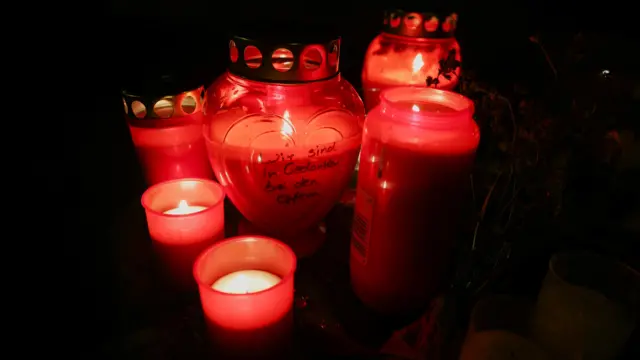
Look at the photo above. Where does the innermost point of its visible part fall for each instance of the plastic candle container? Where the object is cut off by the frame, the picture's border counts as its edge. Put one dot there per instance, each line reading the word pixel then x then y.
pixel 184 217
pixel 408 51
pixel 283 129
pixel 246 291
pixel 417 153
pixel 165 122
pixel 587 307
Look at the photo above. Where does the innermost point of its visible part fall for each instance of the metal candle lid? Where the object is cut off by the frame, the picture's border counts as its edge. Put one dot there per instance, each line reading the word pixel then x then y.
pixel 285 57
pixel 420 24
pixel 162 97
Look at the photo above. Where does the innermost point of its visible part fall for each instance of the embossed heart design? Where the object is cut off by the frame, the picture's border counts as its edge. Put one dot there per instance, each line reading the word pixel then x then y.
pixel 285 172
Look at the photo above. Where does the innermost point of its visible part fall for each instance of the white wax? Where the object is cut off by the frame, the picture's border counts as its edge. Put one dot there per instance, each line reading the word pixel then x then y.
pixel 184 209
pixel 246 282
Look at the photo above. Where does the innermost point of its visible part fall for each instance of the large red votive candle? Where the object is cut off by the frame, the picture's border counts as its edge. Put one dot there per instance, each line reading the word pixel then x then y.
pixel 283 129
pixel 167 134
pixel 417 153
pixel 246 290
pixel 184 217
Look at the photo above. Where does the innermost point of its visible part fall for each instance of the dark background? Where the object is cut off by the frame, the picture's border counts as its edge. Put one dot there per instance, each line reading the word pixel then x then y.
pixel 130 37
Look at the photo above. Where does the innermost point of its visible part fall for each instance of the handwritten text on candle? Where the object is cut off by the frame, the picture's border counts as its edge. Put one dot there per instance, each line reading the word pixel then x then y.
pixel 294 178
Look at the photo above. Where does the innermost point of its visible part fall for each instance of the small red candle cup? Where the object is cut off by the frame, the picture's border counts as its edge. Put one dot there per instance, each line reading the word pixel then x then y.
pixel 408 51
pixel 246 290
pixel 184 217
pixel 283 130
pixel 166 128
pixel 417 155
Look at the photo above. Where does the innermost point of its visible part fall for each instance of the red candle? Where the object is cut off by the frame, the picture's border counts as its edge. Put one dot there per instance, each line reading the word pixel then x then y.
pixel 184 217
pixel 285 175
pixel 283 129
pixel 416 158
pixel 167 135
pixel 246 291
pixel 410 49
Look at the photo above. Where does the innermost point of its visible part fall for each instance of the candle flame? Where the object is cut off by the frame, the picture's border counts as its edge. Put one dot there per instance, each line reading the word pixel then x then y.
pixel 418 63
pixel 182 205
pixel 415 108
pixel 286 129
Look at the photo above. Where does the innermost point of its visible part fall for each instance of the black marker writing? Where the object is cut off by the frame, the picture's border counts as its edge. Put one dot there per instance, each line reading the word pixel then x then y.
pixel 288 199
pixel 269 186
pixel 304 182
pixel 321 150
pixel 281 157
pixel 269 174
pixel 293 168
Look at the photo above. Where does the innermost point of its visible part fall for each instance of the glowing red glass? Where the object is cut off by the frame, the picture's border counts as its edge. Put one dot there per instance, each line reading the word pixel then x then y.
pixel 417 152
pixel 251 325
pixel 168 137
pixel 284 152
pixel 184 217
pixel 399 60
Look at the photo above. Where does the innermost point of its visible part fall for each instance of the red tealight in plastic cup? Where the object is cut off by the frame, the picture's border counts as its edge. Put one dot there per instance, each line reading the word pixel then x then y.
pixel 184 217
pixel 246 291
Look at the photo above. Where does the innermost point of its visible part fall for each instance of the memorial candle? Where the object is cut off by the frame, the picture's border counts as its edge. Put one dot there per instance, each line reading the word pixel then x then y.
pixel 184 217
pixel 412 47
pixel 416 158
pixel 283 129
pixel 166 130
pixel 246 291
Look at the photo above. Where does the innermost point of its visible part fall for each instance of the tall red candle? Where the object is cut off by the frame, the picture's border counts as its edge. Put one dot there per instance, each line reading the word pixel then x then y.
pixel 167 134
pixel 417 153
pixel 246 291
pixel 184 217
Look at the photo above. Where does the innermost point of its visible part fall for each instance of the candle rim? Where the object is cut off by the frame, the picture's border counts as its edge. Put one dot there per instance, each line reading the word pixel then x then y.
pixel 421 94
pixel 241 271
pixel 230 148
pixel 283 279
pixel 417 39
pixel 257 83
pixel 150 191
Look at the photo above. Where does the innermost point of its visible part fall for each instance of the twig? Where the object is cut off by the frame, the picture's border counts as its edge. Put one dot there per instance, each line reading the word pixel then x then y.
pixel 486 199
pixel 546 55
pixel 473 189
pixel 484 210
pixel 513 119
pixel 511 113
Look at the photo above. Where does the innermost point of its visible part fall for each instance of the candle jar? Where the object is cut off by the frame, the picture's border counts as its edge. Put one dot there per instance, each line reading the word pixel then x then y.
pixel 412 48
pixel 165 122
pixel 283 129
pixel 248 317
pixel 417 153
pixel 498 329
pixel 587 307
pixel 184 217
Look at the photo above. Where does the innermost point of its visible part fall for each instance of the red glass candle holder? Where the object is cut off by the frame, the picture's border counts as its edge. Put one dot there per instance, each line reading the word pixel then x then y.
pixel 283 129
pixel 246 290
pixel 184 217
pixel 412 47
pixel 166 130
pixel 417 154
